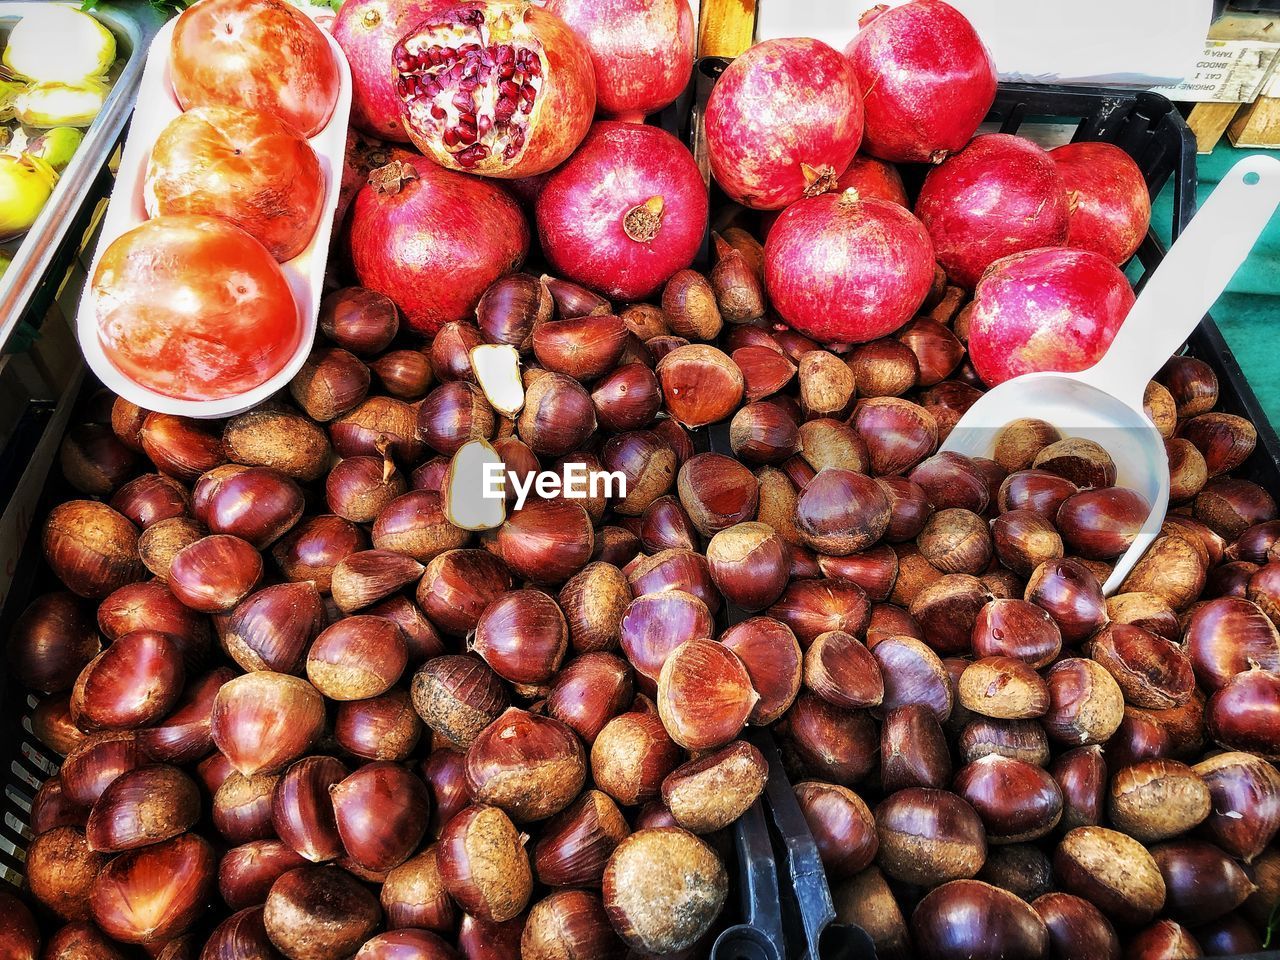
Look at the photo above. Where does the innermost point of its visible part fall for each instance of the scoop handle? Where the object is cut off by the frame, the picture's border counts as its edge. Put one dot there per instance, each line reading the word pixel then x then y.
pixel 1193 274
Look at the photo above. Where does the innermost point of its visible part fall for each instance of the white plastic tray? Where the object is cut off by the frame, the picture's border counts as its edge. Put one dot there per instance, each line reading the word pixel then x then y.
pixel 157 106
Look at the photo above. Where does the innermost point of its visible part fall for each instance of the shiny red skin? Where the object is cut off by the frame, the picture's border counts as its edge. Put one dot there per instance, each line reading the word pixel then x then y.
pixel 927 80
pixel 221 343
pixel 998 196
pixel 1245 714
pixel 262 54
pixel 782 104
pixel 1110 204
pixel 844 270
pixel 566 99
pixel 367 31
pixel 437 244
pixel 873 178
pixel 583 206
pixel 1052 309
pixel 642 51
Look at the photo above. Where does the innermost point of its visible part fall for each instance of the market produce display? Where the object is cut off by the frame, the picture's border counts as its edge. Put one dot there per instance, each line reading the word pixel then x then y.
pixel 317 696
pixel 45 102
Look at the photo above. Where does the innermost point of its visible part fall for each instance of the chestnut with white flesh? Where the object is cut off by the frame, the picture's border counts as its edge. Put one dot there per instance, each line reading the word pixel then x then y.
pixel 497 369
pixel 465 504
pixel 1104 402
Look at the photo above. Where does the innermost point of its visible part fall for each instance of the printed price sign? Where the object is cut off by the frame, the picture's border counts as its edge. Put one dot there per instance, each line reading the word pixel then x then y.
pixel 1229 71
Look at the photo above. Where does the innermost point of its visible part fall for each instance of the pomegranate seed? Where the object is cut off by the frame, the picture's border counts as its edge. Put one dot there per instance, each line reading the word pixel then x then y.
pixel 450 137
pixel 437 111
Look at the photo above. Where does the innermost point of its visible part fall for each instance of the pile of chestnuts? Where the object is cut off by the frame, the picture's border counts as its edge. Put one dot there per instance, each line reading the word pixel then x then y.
pixel 311 706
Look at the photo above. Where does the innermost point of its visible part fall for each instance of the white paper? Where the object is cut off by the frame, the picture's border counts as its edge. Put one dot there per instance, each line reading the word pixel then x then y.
pixel 1130 42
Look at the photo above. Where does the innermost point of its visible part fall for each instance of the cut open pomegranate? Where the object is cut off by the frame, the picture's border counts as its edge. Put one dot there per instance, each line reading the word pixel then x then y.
pixel 478 79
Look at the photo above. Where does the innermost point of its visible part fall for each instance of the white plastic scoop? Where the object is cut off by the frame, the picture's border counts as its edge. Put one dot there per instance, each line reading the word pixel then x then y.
pixel 1104 402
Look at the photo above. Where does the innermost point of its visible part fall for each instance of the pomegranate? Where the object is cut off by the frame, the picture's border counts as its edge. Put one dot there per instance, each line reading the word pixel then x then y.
pixel 433 240
pixel 927 80
pixel 1050 309
pixel 842 269
pixel 627 211
pixel 361 156
pixel 367 31
pixel 642 51
pixel 1110 205
pixel 1000 195
pixel 499 89
pixel 782 122
pixel 874 178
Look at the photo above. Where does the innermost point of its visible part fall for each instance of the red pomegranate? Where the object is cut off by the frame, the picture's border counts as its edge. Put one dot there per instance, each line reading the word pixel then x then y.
pixel 926 78
pixel 782 122
pixel 627 211
pixel 842 269
pixel 499 89
pixel 1110 204
pixel 433 240
pixel 361 156
pixel 1050 309
pixel 1000 195
pixel 367 31
pixel 642 51
pixel 873 178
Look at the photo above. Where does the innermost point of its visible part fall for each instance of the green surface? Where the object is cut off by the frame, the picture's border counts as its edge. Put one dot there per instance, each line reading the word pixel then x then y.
pixel 1249 312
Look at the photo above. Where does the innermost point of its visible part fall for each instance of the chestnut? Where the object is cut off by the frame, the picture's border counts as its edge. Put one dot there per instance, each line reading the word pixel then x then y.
pixel 528 765
pixel 1019 442
pixel 629 398
pixel 1016 628
pixel 951 480
pixel 898 433
pixel 948 609
pixel 52 641
pixel 297 447
pixel 717 492
pixel 1244 813
pixel 631 756
pixel 841 512
pixel 246 872
pixel 774 662
pixel 1227 636
pixel 1188 472
pixel 704 694
pixel 867 901
pixel 913 750
pixel 1024 539
pixel 1230 505
pixel 1202 882
pixel 1164 938
pixel 828 742
pixel 60 871
pixel 884 368
pixel 711 792
pixel 263 721
pixel 825 443
pixel 356 658
pixel 969 918
pixel 765 370
pixel 457 586
pixel 215 573
pixel 1017 801
pixel 928 837
pixel 154 894
pixel 91 548
pixel 360 320
pixel 1225 440
pixel 1229 935
pixel 18 931
pixel 484 864
pixel 94 762
pixel 1023 869
pixel 1157 799
pixel 593 601
pixel 956 541
pixel 1112 871
pixel 1084 462
pixel 1086 704
pixel 1245 713
pixel 842 827
pixel 577 843
pixel 568 923
pixel 1147 611
pixel 647 462
pixel 913 674
pixel 875 570
pixel 272 629
pixel 665 525
pixel 413 894
pixel 457 697
pixel 179 446
pixel 1003 687
pixel 1102 524
pixel 242 807
pixel 1192 384
pixel 547 541
pixel 313 548
pixel 320 912
pixel 662 889
pixel 700 384
pixel 813 607
pixel 1076 927
pixel 1172 568
pixel 522 636
pixel 381 814
pixel 1071 595
pixel 1018 739
pixel 1151 671
pixel 838 668
pixel 674 570
pixel 763 432
pixel 655 624
pixel 151 498
pixel 143 806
